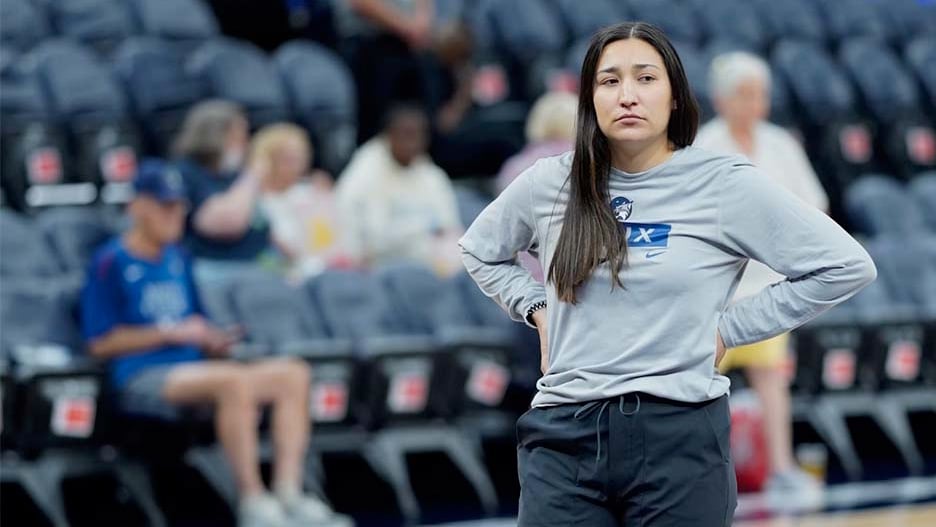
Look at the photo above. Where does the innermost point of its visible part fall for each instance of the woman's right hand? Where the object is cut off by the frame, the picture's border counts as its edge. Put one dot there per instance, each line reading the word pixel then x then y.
pixel 539 318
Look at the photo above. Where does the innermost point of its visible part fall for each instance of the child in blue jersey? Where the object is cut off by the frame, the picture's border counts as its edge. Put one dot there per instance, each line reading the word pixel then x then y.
pixel 141 312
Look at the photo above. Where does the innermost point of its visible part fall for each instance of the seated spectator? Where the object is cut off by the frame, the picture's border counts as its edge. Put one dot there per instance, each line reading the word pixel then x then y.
pixel 142 313
pixel 227 230
pixel 550 131
pixel 300 205
pixel 395 203
pixel 469 139
pixel 386 43
pixel 740 86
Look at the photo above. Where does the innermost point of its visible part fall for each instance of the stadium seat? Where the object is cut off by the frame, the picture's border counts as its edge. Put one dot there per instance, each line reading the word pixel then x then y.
pixel 911 18
pixel 161 18
pixel 32 144
pixel 524 29
pixel 481 369
pixel 22 237
pixel 696 64
pixel 74 233
pixel 841 144
pixel 60 401
pixel 795 19
pixel 239 71
pixel 470 203
pixel 849 18
pixel 23 24
pixel 584 19
pixel 100 24
pixel 881 206
pixel 321 93
pixel 405 388
pixel 894 104
pixel 679 23
pixel 920 57
pixel 734 21
pixel 84 96
pixel 159 89
pixel 923 189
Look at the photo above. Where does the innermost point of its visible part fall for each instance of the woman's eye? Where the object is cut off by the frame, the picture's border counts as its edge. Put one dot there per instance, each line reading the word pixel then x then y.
pixel 646 78
pixel 609 82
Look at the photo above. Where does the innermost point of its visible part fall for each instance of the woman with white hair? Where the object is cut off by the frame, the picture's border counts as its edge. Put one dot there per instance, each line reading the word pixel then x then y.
pixel 740 84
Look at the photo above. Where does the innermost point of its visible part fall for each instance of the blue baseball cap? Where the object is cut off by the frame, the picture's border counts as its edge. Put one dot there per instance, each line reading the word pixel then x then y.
pixel 160 180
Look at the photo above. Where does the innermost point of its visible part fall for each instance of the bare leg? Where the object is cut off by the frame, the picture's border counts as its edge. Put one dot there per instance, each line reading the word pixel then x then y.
pixel 228 386
pixel 285 384
pixel 771 386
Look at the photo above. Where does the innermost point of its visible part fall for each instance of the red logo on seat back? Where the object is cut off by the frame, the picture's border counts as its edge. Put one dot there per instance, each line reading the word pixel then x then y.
pixel 73 416
pixel 409 393
pixel 855 142
pixel 903 360
pixel 44 166
pixel 838 369
pixel 118 165
pixel 329 401
pixel 921 145
pixel 487 383
pixel 489 85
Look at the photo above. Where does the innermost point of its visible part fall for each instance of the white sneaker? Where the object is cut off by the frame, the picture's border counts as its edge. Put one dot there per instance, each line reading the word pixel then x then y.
pixel 308 510
pixel 794 491
pixel 262 510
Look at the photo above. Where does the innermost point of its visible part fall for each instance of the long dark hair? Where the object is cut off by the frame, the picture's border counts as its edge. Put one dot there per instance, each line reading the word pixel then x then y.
pixel 590 232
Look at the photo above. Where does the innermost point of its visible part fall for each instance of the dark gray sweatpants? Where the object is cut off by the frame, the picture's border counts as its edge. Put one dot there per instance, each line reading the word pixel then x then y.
pixel 633 461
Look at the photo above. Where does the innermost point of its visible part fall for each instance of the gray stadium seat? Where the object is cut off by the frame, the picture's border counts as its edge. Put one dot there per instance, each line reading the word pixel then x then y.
pixel 239 71
pixel 321 93
pixel 100 24
pixel 161 18
pixel 923 190
pixel 159 89
pixel 879 205
pixel 23 24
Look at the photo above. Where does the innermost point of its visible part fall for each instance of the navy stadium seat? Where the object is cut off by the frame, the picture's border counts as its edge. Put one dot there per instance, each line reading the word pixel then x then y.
pixel 523 30
pixel 34 257
pixel 911 18
pixel 880 205
pixel 907 137
pixel 321 93
pixel 101 24
pixel 734 21
pixel 794 19
pixel 850 18
pixel 32 146
pixel 23 24
pixel 84 96
pixel 923 190
pixel 673 16
pixel 816 82
pixel 187 23
pixel 159 88
pixel 920 57
pixel 240 72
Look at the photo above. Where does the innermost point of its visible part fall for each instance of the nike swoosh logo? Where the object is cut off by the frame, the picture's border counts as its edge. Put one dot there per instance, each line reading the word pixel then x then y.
pixel 654 254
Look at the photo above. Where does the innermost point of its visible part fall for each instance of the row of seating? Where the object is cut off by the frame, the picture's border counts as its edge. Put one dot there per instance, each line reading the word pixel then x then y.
pixel 70 117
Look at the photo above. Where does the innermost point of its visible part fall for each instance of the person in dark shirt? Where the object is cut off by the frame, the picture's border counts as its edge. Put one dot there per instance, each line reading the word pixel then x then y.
pixel 141 312
pixel 226 229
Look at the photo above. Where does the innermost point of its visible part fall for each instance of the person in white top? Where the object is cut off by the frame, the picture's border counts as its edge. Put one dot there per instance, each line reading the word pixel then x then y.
pixel 740 85
pixel 395 204
pixel 299 203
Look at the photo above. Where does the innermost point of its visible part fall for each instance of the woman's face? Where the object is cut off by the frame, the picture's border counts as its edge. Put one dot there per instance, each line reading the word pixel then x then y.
pixel 632 94
pixel 749 104
pixel 288 162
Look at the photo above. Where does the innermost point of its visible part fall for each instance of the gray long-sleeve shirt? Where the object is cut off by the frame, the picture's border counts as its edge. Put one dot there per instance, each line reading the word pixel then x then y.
pixel 692 223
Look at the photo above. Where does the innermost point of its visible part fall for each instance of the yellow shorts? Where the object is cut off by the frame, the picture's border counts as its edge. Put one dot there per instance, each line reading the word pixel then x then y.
pixel 766 353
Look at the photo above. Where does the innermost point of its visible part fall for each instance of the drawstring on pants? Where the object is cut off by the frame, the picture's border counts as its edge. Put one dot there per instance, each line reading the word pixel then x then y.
pixel 588 407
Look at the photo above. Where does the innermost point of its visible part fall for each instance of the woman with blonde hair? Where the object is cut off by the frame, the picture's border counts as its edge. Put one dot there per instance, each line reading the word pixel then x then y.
pixel 300 204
